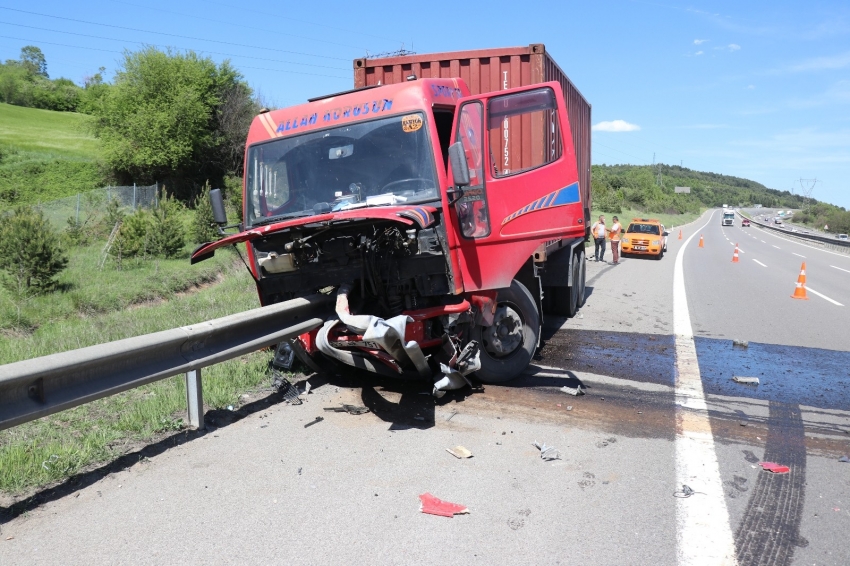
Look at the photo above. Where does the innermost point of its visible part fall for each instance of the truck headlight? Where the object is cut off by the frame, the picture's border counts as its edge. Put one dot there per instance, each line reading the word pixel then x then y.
pixel 625 240
pixel 656 242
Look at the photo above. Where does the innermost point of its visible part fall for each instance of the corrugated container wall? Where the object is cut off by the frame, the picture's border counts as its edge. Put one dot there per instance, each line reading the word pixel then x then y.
pixel 489 70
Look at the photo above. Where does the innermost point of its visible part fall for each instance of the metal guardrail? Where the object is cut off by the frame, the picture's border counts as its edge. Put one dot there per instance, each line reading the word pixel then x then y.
pixel 38 387
pixel 834 243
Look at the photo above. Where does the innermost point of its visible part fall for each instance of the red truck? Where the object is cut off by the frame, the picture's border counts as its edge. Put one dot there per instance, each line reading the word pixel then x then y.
pixel 446 220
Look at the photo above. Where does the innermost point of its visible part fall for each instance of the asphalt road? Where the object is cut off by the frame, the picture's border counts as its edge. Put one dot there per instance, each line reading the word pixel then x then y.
pixel 260 487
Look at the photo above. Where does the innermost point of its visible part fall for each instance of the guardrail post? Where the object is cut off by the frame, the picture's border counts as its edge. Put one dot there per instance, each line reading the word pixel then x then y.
pixel 195 399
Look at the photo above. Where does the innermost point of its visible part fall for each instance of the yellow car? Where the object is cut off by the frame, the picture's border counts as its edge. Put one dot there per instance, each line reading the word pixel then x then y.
pixel 644 236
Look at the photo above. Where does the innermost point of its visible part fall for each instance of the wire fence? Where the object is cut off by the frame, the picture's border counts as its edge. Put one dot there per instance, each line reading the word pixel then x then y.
pixel 81 206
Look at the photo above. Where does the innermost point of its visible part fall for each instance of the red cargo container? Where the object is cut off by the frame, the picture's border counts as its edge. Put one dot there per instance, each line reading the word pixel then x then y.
pixel 488 70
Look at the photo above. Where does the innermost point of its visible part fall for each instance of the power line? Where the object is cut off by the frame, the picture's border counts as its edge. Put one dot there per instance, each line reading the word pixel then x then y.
pixel 119 52
pixel 276 32
pixel 172 34
pixel 164 46
pixel 267 14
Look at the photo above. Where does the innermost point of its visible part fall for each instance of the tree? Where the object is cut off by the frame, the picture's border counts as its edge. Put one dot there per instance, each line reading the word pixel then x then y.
pixel 167 234
pixel 31 254
pixel 32 59
pixel 160 119
pixel 203 225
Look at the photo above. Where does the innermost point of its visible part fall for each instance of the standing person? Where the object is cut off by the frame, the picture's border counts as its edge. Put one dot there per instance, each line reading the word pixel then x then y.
pixel 598 230
pixel 615 239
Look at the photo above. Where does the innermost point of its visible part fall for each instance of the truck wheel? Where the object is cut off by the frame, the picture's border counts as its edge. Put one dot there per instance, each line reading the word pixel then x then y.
pixel 508 345
pixel 572 307
pixel 582 272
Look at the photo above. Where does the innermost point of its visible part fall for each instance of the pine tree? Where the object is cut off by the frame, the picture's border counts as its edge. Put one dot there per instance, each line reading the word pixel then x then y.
pixel 203 225
pixel 168 236
pixel 31 253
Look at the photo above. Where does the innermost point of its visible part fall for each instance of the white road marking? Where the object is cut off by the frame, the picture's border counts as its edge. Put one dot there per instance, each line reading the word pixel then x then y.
pixel 777 247
pixel 703 534
pixel 805 245
pixel 763 242
pixel 823 296
pixel 840 269
pixel 758 262
pixel 802 256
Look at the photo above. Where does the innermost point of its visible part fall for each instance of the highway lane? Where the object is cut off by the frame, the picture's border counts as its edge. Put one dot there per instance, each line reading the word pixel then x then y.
pixel 751 300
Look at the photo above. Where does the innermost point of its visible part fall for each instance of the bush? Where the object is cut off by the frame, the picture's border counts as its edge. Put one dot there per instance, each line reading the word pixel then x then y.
pixel 31 254
pixel 203 223
pixel 167 237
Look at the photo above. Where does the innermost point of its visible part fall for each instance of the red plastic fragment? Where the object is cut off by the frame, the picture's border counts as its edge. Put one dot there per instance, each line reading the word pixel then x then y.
pixel 434 506
pixel 774 467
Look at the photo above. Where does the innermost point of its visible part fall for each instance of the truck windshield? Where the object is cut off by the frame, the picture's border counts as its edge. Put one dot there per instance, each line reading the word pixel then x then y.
pixel 380 162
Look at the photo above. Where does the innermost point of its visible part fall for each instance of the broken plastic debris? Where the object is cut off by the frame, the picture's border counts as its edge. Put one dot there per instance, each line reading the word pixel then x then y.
pixel 433 506
pixel 459 452
pixel 306 388
pixel 774 467
pixel 314 421
pixel 573 391
pixel 350 409
pixel 685 492
pixel 747 380
pixel 284 356
pixel 844 459
pixel 547 452
pixel 451 416
pixel 741 343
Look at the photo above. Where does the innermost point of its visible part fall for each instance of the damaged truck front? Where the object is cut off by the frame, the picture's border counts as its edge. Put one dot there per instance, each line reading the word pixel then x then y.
pixel 398 199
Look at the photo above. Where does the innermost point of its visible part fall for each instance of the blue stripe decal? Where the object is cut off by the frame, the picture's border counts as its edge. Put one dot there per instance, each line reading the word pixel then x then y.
pixel 567 195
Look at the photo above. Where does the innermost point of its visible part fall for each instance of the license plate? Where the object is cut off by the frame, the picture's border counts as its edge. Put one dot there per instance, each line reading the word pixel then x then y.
pixel 639 248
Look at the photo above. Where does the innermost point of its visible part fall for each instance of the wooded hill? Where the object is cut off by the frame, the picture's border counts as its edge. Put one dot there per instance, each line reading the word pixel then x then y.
pixel 650 188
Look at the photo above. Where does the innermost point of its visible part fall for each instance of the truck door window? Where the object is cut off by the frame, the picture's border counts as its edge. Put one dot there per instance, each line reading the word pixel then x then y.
pixel 524 131
pixel 472 206
pixel 443 119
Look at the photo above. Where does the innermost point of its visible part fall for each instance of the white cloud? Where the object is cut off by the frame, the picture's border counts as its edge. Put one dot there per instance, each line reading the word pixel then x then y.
pixel 700 41
pixel 730 48
pixel 698 53
pixel 734 47
pixel 615 126
pixel 751 87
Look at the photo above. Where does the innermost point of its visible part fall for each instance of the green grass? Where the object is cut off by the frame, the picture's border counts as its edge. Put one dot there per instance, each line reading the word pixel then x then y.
pixel 55 447
pixel 49 133
pixel 45 155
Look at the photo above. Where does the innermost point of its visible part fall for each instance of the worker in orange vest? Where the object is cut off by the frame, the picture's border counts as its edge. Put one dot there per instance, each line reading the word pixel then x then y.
pixel 614 233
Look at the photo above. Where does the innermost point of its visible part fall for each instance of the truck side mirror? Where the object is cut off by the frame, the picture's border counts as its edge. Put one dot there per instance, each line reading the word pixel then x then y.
pixel 460 168
pixel 217 203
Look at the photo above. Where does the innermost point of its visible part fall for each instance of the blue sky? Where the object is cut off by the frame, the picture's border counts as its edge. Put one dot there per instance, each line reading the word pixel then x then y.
pixel 755 89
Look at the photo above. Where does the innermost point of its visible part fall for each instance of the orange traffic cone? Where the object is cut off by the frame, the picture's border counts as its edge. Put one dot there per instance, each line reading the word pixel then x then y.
pixel 700 241
pixel 802 277
pixel 800 292
pixel 735 255
pixel 680 234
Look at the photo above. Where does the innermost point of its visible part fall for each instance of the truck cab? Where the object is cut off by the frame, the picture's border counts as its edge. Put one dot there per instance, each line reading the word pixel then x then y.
pixel 402 200
pixel 728 218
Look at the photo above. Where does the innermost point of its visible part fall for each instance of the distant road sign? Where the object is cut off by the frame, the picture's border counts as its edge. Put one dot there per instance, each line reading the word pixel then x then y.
pixel 683 189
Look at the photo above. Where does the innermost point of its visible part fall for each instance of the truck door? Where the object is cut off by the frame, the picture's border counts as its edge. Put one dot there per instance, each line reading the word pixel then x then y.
pixel 523 182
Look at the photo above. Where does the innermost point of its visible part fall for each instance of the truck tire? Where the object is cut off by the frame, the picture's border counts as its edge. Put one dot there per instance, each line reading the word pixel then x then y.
pixel 508 345
pixel 582 273
pixel 572 307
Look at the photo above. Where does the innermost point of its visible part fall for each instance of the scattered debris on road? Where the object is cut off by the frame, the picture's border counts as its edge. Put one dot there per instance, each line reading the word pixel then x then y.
pixel 746 380
pixel 573 391
pixel 350 409
pixel 775 468
pixel 685 492
pixel 306 388
pixel 845 459
pixel 459 452
pixel 286 390
pixel 433 506
pixel 314 421
pixel 548 453
pixel 741 343
pixel 451 416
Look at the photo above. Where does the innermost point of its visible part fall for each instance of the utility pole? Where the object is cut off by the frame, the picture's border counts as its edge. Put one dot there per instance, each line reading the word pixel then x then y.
pixel 807 186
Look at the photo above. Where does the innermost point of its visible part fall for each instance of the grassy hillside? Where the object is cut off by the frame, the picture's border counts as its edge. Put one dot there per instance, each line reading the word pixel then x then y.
pixel 45 155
